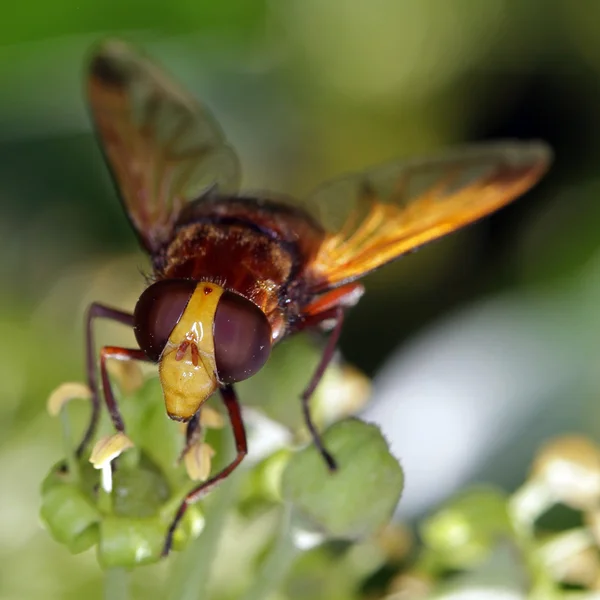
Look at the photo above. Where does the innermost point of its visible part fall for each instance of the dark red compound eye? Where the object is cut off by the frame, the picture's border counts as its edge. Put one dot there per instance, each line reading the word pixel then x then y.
pixel 242 336
pixel 158 311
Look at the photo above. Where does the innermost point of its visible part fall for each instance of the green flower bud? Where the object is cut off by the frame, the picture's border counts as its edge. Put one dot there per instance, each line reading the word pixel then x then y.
pixel 463 532
pixel 70 516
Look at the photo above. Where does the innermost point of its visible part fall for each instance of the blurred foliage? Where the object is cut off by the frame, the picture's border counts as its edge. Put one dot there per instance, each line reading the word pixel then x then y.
pixel 306 90
pixel 124 511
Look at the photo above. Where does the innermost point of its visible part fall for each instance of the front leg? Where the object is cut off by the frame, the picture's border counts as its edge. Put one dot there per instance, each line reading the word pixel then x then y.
pixel 193 432
pixel 235 416
pixel 111 403
pixel 97 311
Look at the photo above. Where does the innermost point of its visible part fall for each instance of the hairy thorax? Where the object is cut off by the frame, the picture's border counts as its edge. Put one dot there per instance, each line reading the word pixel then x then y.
pixel 235 257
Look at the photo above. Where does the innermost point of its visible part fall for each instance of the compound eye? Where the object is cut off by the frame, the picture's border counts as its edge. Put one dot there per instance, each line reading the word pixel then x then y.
pixel 242 337
pixel 158 311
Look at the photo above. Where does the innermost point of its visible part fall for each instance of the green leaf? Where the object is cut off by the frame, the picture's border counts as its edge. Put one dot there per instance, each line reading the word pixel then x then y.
pixel 360 496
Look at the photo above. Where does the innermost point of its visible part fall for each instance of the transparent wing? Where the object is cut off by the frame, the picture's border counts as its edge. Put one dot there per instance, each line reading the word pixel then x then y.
pixel 163 148
pixel 375 217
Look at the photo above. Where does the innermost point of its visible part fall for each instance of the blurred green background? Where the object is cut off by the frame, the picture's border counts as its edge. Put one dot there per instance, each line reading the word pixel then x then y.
pixel 306 90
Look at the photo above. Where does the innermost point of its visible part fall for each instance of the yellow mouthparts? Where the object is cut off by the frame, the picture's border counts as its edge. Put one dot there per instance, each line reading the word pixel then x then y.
pixel 188 372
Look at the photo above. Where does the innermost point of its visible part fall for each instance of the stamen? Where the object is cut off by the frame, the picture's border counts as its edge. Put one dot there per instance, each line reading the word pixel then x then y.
pixel 105 451
pixel 128 374
pixel 197 459
pixel 65 393
pixel 211 418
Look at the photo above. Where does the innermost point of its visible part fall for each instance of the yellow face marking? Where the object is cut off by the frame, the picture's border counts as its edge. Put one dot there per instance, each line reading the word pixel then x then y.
pixel 187 385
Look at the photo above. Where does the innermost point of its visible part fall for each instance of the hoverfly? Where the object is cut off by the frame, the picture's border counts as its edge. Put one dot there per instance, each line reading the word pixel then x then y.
pixel 234 274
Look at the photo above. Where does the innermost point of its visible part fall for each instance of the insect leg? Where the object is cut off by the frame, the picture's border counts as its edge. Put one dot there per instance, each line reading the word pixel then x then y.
pixel 328 307
pixel 120 354
pixel 336 314
pixel 346 295
pixel 235 416
pixel 97 311
pixel 193 431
